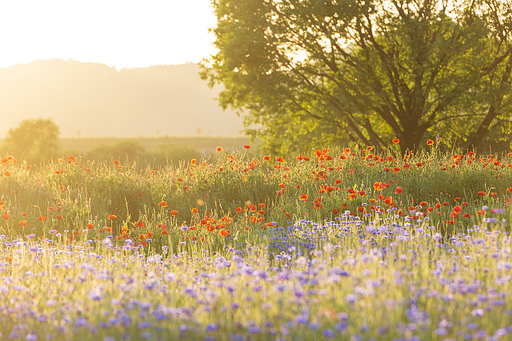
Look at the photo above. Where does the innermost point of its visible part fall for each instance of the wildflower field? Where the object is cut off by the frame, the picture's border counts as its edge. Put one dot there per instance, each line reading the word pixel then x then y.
pixel 338 244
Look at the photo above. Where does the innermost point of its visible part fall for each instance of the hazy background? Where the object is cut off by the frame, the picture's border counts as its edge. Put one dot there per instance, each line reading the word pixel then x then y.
pixel 110 68
pixel 95 100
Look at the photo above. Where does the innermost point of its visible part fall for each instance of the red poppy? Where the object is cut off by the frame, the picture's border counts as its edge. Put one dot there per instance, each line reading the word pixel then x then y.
pixel 396 141
pixel 430 142
pixel 398 190
pixel 218 149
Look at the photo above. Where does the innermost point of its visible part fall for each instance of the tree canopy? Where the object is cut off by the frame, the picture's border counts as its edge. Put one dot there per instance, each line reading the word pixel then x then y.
pixel 33 139
pixel 367 71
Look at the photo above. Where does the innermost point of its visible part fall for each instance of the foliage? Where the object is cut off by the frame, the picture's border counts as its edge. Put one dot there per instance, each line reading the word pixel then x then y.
pixel 33 139
pixel 368 71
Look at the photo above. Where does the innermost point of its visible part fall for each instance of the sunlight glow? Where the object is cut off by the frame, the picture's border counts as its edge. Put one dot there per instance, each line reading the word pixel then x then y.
pixel 123 34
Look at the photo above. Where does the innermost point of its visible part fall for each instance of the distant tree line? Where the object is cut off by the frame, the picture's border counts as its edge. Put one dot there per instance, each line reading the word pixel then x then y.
pixel 37 139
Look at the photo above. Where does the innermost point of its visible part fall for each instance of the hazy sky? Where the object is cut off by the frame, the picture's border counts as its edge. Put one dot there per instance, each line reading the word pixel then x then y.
pixel 124 33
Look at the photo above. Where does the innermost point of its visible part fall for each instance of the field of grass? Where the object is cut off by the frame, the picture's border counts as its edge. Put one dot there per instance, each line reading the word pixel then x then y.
pixel 339 244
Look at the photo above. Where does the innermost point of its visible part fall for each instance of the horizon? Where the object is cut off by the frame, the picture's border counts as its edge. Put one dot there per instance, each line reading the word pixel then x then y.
pixel 115 33
pixel 100 63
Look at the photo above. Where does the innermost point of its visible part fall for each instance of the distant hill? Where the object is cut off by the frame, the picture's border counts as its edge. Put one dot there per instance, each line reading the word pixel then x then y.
pixel 94 100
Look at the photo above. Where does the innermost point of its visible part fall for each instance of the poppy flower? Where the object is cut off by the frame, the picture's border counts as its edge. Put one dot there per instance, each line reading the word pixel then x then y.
pixel 246 146
pixel 280 159
pixel 482 193
pixel 41 218
pixel 395 141
pixel 174 212
pixel 430 142
pixel 111 216
pixel 398 190
pixel 193 161
pixel 162 203
pixel 396 169
pixel 303 197
pixel 218 149
pixel 194 210
pixel 266 158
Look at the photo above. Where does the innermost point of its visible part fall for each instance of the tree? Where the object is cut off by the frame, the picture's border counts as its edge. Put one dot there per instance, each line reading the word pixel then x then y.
pixel 33 139
pixel 365 70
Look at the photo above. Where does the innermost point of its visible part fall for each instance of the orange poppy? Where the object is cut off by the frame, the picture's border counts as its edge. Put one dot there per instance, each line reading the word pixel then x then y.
pixel 174 212
pixel 162 203
pixel 430 142
pixel 396 141
pixel 111 216
pixel 218 149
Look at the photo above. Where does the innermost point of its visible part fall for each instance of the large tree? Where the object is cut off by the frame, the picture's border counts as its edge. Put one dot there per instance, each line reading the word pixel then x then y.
pixel 365 70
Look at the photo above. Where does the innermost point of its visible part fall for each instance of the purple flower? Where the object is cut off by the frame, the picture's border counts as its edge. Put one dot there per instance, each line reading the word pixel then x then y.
pixel 328 333
pixel 211 327
pixel 144 325
pixel 351 298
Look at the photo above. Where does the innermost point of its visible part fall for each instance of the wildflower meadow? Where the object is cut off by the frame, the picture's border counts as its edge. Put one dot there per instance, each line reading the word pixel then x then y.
pixel 341 244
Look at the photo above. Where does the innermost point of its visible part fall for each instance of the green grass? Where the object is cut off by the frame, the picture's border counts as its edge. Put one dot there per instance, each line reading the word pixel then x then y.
pixel 244 246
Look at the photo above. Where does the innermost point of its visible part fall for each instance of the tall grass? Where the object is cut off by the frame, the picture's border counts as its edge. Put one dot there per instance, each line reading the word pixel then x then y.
pixel 339 244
